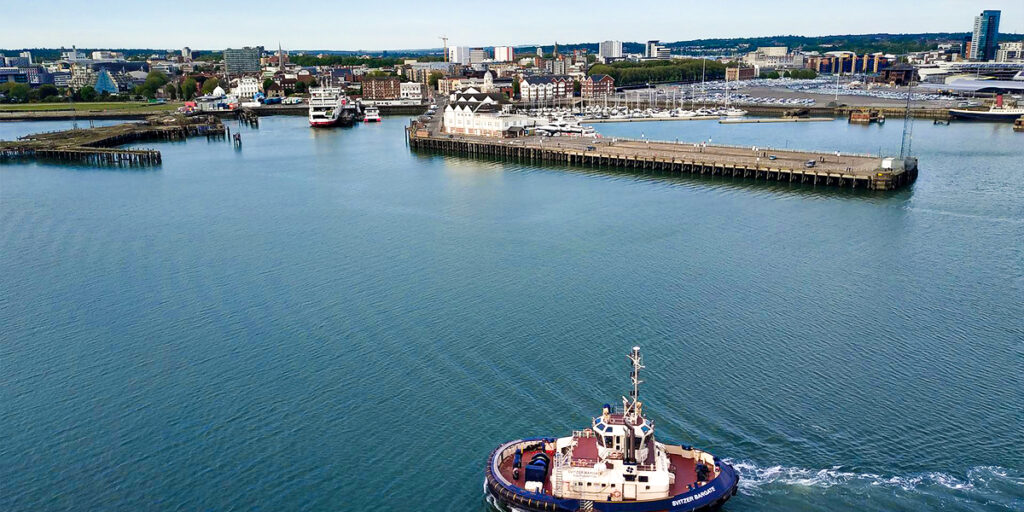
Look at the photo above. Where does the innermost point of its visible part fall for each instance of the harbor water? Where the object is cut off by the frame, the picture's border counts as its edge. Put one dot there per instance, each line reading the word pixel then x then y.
pixel 324 320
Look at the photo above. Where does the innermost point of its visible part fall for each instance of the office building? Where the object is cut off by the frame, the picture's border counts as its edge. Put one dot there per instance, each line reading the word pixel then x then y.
pixel 654 50
pixel 458 54
pixel 186 54
pixel 985 37
pixel 504 54
pixel 242 60
pixel 477 55
pixel 104 55
pixel 610 49
pixel 1010 51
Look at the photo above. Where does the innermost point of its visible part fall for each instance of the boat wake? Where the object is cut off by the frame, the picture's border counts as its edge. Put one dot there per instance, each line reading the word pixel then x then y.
pixel 989 480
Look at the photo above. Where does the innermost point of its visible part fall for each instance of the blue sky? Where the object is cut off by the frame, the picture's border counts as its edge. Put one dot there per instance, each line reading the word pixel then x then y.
pixel 402 24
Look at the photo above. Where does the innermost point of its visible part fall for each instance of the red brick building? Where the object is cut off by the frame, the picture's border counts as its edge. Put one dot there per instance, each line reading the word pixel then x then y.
pixel 388 88
pixel 597 86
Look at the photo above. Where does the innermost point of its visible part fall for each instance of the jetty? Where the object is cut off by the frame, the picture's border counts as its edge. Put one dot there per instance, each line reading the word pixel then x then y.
pixel 99 145
pixel 836 169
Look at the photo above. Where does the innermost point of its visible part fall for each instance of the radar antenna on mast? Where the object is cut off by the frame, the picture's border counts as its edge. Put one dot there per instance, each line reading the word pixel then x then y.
pixel 632 405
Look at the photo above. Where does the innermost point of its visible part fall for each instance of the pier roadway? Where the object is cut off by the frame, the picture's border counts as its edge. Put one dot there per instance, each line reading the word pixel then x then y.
pixel 842 170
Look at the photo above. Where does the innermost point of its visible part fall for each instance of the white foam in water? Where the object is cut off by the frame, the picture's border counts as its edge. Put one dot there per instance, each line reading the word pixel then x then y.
pixel 754 478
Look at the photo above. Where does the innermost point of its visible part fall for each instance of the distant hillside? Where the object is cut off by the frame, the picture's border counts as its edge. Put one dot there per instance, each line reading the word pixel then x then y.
pixel 859 43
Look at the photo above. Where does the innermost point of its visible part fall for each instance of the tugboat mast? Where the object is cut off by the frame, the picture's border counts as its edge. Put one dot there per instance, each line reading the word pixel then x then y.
pixel 632 406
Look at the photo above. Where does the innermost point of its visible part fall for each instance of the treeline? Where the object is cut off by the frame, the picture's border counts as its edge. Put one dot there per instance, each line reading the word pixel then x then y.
pixel 349 60
pixel 676 70
pixel 807 74
pixel 859 43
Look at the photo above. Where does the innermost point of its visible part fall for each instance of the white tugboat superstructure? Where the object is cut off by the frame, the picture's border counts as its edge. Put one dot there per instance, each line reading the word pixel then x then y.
pixel 615 464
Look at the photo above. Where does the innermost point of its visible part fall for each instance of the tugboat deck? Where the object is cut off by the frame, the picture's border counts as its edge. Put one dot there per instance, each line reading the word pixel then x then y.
pixel 585 453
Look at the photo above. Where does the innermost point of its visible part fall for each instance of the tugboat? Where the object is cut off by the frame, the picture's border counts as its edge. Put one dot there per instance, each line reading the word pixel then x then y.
pixel 613 465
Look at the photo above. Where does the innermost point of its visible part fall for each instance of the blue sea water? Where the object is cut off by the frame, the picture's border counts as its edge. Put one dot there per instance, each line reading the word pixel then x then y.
pixel 325 320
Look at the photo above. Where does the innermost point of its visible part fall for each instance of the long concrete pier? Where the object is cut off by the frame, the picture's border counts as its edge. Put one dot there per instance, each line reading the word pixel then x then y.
pixel 643 156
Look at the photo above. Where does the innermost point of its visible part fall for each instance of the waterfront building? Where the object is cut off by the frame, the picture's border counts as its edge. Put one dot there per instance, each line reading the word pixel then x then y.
pixel 848 62
pixel 740 73
pixel 597 86
pixel 242 60
pixel 412 91
pixel 774 57
pixel 245 88
pixel 382 88
pixel 504 54
pixel 545 88
pixel 985 37
pixel 473 112
pixel 1010 51
pixel 610 50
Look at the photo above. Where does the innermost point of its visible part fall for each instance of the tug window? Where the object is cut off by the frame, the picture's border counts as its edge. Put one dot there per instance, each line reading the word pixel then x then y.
pixel 608 440
pixel 643 479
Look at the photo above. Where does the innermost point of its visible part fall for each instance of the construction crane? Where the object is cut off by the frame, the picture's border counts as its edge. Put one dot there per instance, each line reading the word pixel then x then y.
pixel 444 39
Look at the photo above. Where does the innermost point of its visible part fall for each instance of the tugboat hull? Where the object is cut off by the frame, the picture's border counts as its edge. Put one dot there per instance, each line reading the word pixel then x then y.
pixel 503 495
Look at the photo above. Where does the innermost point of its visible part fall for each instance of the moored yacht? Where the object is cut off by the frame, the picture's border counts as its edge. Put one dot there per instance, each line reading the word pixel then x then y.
pixel 615 464
pixel 997 112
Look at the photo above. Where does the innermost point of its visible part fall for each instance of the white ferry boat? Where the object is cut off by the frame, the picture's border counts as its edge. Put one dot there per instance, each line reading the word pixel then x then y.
pixel 371 115
pixel 329 106
pixel 615 465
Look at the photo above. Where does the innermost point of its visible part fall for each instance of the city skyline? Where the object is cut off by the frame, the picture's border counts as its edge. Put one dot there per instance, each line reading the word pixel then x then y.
pixel 409 26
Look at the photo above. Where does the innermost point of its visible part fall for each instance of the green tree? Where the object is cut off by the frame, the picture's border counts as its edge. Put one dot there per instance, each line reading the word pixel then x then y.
pixel 577 87
pixel 15 93
pixel 188 88
pixel 267 83
pixel 210 84
pixel 172 91
pixel 87 93
pixel 301 87
pixel 515 88
pixel 48 92
pixel 433 78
